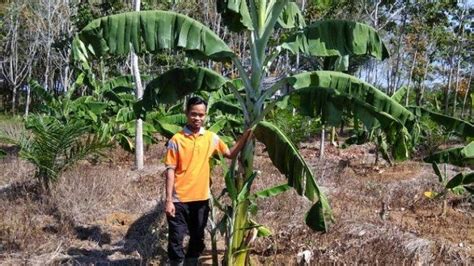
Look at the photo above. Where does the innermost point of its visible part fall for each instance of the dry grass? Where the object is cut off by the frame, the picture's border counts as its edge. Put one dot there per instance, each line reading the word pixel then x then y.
pixel 107 213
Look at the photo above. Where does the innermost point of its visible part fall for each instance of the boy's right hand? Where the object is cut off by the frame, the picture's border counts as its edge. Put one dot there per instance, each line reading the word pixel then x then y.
pixel 169 208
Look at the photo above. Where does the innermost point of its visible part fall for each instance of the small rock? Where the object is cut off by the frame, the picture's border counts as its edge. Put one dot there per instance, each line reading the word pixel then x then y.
pixel 402 209
pixel 461 245
pixel 361 233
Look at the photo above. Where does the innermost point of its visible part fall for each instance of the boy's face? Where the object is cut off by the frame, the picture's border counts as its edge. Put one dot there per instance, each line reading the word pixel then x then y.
pixel 196 116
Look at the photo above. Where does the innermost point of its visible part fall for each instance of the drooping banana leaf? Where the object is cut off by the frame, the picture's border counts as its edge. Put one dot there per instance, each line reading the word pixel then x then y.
pixel 460 127
pixel 291 17
pixel 288 160
pixel 176 83
pixel 399 94
pixel 314 91
pixel 148 31
pixel 460 156
pixel 235 14
pixel 126 84
pixel 170 124
pixel 227 107
pixel 337 38
pixel 271 192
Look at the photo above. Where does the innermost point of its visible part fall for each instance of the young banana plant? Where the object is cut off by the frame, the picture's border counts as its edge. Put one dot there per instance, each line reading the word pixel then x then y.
pixel 320 93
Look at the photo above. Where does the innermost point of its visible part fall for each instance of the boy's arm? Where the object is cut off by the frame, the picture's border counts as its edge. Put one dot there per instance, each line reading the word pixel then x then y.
pixel 169 205
pixel 232 152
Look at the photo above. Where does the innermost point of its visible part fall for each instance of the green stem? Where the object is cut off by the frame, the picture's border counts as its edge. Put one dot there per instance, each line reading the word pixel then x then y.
pixel 240 217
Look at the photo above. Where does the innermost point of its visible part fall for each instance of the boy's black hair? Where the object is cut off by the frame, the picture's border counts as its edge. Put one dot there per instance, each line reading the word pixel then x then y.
pixel 195 101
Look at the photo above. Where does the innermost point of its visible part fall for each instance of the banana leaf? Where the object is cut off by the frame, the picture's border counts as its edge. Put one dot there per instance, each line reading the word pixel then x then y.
pixel 235 14
pixel 37 89
pixel 291 17
pixel 460 127
pixel 399 94
pixel 148 31
pixel 227 107
pixel 174 84
pixel 460 156
pixel 288 160
pixel 119 84
pixel 271 192
pixel 322 92
pixel 337 38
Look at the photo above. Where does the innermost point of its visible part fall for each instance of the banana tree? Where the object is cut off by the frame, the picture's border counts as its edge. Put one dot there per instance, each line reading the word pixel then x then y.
pixel 153 31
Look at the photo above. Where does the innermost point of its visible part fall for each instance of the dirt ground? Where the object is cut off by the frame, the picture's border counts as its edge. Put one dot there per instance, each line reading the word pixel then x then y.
pixel 107 213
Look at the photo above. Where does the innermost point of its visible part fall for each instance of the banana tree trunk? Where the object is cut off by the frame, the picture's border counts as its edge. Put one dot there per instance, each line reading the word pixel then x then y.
pixel 238 250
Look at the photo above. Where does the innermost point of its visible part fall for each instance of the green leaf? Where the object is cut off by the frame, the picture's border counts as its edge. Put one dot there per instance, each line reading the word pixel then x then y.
pixel 468 151
pixel 327 94
pixel 460 127
pixel 291 17
pixel 174 84
pixel 457 180
pixel 288 160
pixel 459 190
pixel 468 178
pixel 229 178
pixel 317 217
pixel 317 91
pixel 226 107
pixel 271 192
pixel 263 231
pixel 218 125
pixel 243 194
pixel 399 94
pixel 438 172
pixel 3 154
pixel 460 156
pixel 118 82
pixel 168 130
pixel 95 107
pixel 37 89
pixel 235 14
pixel 337 38
pixel 148 31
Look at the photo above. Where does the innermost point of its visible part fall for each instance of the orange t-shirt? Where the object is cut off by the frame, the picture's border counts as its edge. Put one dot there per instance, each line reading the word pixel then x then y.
pixel 189 155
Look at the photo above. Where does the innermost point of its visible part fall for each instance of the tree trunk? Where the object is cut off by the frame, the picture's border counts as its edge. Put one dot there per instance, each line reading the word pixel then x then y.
pixel 460 49
pixel 321 144
pixel 407 99
pixel 27 104
pixel 466 95
pixel 456 87
pixel 396 70
pixel 448 89
pixel 139 95
pixel 420 95
pixel 14 97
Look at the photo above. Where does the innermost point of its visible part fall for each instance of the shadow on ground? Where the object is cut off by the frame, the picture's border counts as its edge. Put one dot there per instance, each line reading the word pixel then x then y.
pixel 142 243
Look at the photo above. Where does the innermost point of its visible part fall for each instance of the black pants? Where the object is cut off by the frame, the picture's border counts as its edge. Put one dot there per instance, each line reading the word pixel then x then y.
pixel 189 217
